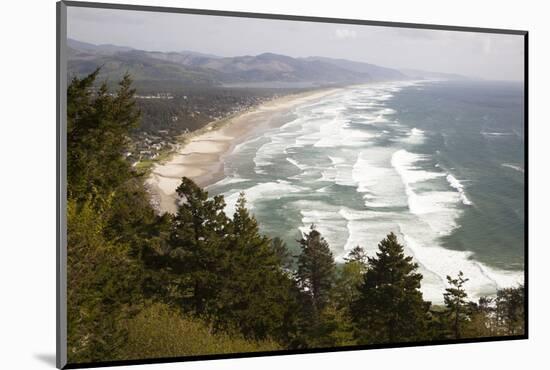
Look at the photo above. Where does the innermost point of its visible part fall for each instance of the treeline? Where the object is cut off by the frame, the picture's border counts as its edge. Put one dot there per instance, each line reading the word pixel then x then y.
pixel 202 282
pixel 192 108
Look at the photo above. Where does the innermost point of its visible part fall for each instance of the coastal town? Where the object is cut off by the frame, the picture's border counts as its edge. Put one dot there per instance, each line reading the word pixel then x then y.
pixel 166 116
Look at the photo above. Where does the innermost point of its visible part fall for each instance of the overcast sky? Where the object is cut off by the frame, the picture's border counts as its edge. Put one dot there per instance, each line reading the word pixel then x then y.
pixel 489 56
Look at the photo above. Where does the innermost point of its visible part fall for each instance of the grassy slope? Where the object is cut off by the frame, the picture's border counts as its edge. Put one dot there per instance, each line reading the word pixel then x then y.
pixel 162 331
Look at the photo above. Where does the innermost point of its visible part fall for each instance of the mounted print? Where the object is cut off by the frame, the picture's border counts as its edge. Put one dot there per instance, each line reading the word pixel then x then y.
pixel 238 184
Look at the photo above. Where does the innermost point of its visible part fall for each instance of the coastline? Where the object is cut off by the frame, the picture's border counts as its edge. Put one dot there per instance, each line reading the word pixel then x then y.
pixel 200 155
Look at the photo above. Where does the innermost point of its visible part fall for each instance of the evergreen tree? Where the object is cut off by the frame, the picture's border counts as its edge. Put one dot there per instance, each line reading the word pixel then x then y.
pixel 281 251
pixel 315 277
pixel 255 292
pixel 482 321
pixel 121 257
pixel 103 287
pixel 198 239
pixel 359 256
pixel 350 277
pixel 337 315
pixel 510 310
pixel 458 307
pixel 104 273
pixel 98 124
pixel 390 307
pixel 316 268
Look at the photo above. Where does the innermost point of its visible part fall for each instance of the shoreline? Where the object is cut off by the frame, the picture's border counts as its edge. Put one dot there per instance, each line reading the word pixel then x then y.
pixel 200 155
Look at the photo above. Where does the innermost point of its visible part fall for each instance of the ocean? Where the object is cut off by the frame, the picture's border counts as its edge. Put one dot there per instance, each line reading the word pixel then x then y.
pixel 439 163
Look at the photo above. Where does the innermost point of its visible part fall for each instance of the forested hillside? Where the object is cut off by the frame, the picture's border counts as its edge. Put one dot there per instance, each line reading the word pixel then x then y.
pixel 198 282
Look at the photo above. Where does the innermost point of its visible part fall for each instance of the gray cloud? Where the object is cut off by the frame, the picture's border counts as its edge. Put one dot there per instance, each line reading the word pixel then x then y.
pixel 344 33
pixel 490 56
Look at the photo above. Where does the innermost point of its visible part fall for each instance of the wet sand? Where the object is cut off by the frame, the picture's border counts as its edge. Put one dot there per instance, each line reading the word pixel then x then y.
pixel 200 156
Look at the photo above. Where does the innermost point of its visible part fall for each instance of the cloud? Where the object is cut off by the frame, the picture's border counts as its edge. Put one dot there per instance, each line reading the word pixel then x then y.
pixel 108 16
pixel 342 33
pixel 487 47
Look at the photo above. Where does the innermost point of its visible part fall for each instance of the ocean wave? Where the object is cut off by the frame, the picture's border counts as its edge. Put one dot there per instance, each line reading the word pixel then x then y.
pixel 442 262
pixel 497 134
pixel 415 136
pixel 367 228
pixel 245 144
pixel 228 180
pixel 513 167
pixel 460 188
pixel 262 191
pixel 331 225
pixel 324 189
pixel 405 162
pixel 340 172
pixel 437 208
pixel 389 187
pixel 296 164
pixel 264 155
pixel 365 174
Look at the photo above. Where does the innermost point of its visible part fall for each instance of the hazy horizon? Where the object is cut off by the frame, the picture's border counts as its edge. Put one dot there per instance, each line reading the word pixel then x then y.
pixel 477 55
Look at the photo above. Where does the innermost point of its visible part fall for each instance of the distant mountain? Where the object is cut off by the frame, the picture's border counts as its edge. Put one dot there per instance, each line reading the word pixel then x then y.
pixel 376 72
pixel 143 67
pixel 417 74
pixel 193 68
pixel 104 49
pixel 204 69
pixel 186 58
pixel 274 67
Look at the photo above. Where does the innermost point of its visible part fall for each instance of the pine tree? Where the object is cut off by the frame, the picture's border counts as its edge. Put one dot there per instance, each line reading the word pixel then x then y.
pixel 510 310
pixel 482 319
pixel 281 251
pixel 316 268
pixel 359 256
pixel 390 307
pixel 98 124
pixel 198 240
pixel 255 291
pixel 350 277
pixel 103 285
pixel 104 272
pixel 458 307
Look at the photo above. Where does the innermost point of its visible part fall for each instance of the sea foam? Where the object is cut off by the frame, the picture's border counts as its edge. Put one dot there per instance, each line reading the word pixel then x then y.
pixel 335 142
pixel 513 167
pixel 460 188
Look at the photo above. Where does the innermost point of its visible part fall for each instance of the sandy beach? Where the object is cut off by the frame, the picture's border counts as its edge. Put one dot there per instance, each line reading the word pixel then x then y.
pixel 200 156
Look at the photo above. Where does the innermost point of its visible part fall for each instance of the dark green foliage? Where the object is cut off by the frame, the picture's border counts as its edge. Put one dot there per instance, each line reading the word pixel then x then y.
pixel 137 279
pixel 255 292
pixel 315 277
pixel 390 307
pixel 437 326
pixel 281 251
pixel 107 217
pixel 199 236
pixel 510 310
pixel 357 255
pixel 315 273
pixel 336 318
pixel 458 307
pixel 232 275
pixel 102 286
pixel 350 277
pixel 98 124
pixel 482 321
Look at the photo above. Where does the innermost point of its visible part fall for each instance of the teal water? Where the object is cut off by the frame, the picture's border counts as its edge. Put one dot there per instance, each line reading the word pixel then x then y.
pixel 438 163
